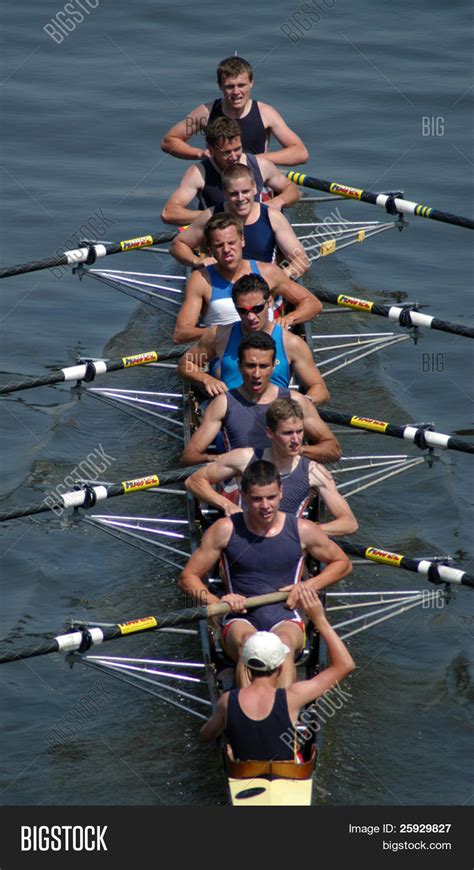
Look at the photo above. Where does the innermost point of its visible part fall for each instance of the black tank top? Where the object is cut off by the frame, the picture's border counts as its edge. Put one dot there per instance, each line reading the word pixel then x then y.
pixel 260 740
pixel 253 134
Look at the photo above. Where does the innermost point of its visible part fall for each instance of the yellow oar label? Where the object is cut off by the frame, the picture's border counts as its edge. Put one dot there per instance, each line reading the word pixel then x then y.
pixel 368 423
pixel 352 302
pixel 384 556
pixel 139 242
pixel 344 190
pixel 140 483
pixel 140 359
pixel 138 625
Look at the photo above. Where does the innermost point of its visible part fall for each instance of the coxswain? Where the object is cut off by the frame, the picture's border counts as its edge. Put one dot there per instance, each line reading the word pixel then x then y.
pixel 255 719
pixel 218 346
pixel 240 413
pixel 267 232
pixel 257 120
pixel 262 550
pixel 204 180
pixel 208 292
pixel 302 479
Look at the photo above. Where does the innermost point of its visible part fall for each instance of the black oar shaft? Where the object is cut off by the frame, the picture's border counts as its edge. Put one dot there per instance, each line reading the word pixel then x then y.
pixel 86 637
pixel 88 370
pixel 87 496
pixel 88 254
pixel 403 315
pixel 434 571
pixel 418 435
pixel 391 203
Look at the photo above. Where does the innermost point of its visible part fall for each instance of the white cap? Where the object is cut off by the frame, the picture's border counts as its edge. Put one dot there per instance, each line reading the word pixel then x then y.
pixel 264 651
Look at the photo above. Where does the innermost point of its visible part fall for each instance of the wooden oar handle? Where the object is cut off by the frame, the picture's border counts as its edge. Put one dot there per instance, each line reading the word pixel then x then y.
pixel 256 601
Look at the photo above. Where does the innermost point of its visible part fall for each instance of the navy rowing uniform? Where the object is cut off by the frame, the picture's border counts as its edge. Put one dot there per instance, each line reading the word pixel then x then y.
pixel 252 129
pixel 212 194
pixel 260 739
pixel 256 564
pixel 244 422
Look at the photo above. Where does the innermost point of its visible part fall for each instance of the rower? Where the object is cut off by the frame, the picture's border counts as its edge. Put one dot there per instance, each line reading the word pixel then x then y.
pixel 263 550
pixel 257 120
pixel 302 478
pixel 266 230
pixel 240 413
pixel 218 347
pixel 204 179
pixel 259 720
pixel 208 292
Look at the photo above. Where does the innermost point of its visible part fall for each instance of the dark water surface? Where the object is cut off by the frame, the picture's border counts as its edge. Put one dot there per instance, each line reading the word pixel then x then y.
pixel 82 123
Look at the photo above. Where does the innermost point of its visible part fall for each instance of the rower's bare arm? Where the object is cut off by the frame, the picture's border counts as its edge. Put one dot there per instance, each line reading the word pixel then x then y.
pixel 176 210
pixel 301 359
pixel 296 261
pixel 185 328
pixel 293 152
pixel 323 446
pixel 215 725
pixel 318 545
pixel 184 245
pixel 306 304
pixel 201 484
pixel 203 560
pixel 344 521
pixel 195 450
pixel 286 192
pixel 341 661
pixel 193 364
pixel 175 141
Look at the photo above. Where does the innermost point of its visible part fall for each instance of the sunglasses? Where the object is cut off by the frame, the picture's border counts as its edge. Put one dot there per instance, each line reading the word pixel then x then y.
pixel 250 309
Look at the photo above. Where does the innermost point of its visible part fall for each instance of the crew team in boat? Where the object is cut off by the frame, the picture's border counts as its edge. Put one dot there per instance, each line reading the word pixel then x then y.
pixel 267 432
pixel 263 550
pixel 266 229
pixel 257 717
pixel 240 413
pixel 208 292
pixel 257 120
pixel 203 180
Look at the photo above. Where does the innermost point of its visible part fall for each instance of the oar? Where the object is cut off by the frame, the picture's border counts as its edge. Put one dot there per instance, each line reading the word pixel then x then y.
pixel 86 637
pixel 434 571
pixel 391 203
pixel 87 495
pixel 88 254
pixel 420 435
pixel 87 371
pixel 403 315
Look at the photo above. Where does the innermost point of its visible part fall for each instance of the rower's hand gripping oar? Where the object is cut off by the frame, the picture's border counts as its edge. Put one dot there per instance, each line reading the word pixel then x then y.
pixel 86 637
pixel 390 202
pixel 88 254
pixel 88 495
pixel 87 370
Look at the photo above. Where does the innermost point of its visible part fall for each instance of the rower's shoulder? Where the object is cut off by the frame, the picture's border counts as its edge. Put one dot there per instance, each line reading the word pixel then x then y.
pixel 203 110
pixel 216 409
pixel 221 531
